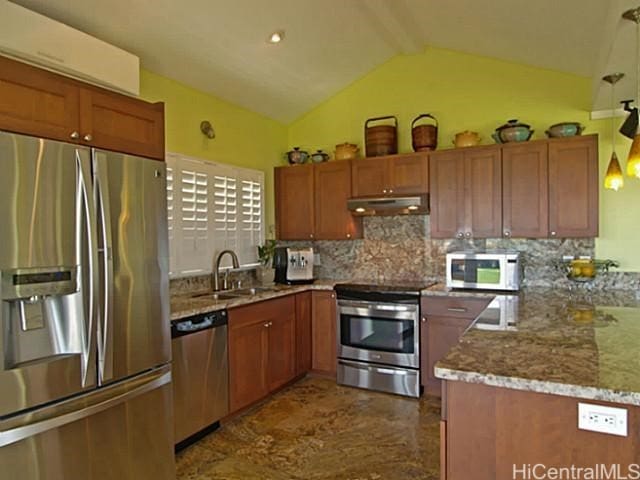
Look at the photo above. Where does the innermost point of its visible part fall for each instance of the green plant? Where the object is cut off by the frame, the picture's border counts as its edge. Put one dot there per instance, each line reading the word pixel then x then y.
pixel 266 251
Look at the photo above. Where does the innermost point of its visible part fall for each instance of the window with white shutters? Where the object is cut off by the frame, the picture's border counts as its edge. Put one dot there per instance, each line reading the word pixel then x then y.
pixel 212 207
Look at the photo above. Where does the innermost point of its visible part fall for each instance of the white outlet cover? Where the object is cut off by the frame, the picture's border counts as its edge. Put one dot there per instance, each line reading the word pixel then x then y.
pixel 598 418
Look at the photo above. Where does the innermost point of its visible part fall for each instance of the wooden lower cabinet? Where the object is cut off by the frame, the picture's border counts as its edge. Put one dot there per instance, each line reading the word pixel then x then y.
pixel 262 350
pixel 303 333
pixel 488 430
pixel 444 320
pixel 323 333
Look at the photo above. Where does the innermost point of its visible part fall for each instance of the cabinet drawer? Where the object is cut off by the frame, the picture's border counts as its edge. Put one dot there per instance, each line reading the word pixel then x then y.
pixel 260 312
pixel 460 307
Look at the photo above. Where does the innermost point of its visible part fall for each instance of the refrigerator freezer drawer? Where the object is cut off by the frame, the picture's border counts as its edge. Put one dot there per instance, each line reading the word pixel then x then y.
pixel 122 433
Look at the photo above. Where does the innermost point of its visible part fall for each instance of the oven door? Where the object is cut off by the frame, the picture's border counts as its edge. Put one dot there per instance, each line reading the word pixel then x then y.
pixel 384 333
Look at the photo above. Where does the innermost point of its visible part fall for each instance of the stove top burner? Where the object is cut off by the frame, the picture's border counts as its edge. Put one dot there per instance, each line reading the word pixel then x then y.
pixel 391 287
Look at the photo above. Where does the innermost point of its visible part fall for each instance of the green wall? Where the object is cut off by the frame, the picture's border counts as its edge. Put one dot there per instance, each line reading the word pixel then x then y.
pixel 467 92
pixel 243 138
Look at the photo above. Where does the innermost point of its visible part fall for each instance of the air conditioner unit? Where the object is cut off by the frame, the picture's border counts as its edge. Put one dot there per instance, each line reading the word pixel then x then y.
pixel 41 41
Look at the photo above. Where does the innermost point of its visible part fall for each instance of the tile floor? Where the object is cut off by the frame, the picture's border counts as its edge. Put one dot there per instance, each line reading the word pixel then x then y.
pixel 316 429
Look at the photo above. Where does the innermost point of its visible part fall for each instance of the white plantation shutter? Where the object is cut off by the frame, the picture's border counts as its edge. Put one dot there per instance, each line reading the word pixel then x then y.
pixel 251 221
pixel 212 207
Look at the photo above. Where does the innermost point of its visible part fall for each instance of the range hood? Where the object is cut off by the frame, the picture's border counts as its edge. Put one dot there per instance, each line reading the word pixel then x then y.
pixel 416 205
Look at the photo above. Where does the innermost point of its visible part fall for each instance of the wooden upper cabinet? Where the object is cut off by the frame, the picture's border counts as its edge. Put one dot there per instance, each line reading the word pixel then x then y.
pixel 405 174
pixel 295 202
pixel 483 193
pixel 525 190
pixel 573 187
pixel 408 174
pixel 120 123
pixel 43 104
pixel 37 102
pixel 446 173
pixel 333 221
pixel 369 177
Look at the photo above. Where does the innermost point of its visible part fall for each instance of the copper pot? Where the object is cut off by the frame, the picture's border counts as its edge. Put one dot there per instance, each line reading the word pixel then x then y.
pixel 466 139
pixel 346 151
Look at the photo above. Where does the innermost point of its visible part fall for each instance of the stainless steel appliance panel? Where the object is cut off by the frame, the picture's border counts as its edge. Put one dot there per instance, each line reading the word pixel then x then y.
pixel 133 333
pixel 384 378
pixel 112 434
pixel 379 332
pixel 47 307
pixel 200 380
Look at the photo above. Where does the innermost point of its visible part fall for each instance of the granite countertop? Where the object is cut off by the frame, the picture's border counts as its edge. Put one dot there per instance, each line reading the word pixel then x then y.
pixel 186 304
pixel 573 343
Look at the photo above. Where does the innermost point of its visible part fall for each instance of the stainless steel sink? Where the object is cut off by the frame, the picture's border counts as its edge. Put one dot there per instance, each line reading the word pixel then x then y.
pixel 216 296
pixel 251 291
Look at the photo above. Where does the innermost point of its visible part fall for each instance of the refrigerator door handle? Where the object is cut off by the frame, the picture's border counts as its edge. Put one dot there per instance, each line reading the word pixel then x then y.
pixel 105 328
pixel 88 211
pixel 7 437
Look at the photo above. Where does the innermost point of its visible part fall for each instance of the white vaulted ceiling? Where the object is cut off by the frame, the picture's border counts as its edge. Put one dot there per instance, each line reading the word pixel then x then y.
pixel 219 46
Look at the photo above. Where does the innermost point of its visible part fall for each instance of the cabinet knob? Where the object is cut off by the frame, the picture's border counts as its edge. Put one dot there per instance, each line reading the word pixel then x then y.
pixel 390 190
pixel 507 233
pixel 384 190
pixel 459 235
pixel 468 234
pixel 88 137
pixel 311 235
pixel 75 135
pixel 266 325
pixel 553 234
pixel 348 235
pixel 333 295
pixel 424 320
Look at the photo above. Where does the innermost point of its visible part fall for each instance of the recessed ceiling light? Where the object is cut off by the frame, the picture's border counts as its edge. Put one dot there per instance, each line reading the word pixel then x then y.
pixel 360 210
pixel 412 207
pixel 276 37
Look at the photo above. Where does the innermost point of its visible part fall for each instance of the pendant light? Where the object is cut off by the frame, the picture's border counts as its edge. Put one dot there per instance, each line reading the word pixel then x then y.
pixel 614 179
pixel 633 162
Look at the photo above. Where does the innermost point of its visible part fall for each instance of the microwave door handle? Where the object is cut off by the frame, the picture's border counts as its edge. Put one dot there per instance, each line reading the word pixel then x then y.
pixel 85 214
pixel 105 330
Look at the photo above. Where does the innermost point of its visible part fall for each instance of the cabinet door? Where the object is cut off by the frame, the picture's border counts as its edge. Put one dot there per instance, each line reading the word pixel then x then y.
pixel 446 174
pixel 369 177
pixel 525 193
pixel 483 193
pixel 333 221
pixel 408 174
pixel 442 334
pixel 294 202
pixel 282 342
pixel 248 356
pixel 573 187
pixel 323 332
pixel 122 124
pixel 37 102
pixel 303 333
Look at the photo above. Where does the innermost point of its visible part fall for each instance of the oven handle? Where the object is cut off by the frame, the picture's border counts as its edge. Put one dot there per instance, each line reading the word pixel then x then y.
pixel 389 307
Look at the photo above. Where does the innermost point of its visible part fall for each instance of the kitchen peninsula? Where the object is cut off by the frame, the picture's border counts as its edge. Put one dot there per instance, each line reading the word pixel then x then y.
pixel 510 397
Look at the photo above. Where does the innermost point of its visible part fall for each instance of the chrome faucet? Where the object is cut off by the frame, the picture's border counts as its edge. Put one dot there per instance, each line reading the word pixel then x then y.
pixel 216 271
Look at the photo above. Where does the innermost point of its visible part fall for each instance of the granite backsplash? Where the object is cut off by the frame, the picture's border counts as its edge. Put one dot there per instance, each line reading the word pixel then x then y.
pixel 400 248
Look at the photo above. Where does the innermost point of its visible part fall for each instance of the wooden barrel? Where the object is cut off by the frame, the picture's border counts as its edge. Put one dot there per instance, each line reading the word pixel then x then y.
pixel 424 137
pixel 381 139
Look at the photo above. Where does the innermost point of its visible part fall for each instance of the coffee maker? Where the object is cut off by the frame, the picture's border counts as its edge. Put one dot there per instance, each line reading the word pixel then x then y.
pixel 293 265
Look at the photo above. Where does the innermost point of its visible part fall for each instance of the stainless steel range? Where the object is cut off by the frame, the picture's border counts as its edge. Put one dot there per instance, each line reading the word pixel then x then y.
pixel 378 336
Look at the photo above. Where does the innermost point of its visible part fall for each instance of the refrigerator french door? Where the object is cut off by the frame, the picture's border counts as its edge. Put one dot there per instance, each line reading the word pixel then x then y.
pixel 84 330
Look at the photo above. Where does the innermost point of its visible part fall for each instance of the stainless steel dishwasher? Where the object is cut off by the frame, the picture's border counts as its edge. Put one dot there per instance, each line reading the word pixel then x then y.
pixel 200 375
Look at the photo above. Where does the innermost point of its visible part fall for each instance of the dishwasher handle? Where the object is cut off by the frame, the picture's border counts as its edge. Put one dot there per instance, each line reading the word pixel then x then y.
pixel 197 323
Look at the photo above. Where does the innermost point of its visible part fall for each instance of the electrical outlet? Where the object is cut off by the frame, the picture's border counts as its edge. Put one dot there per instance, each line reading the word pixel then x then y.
pixel 602 419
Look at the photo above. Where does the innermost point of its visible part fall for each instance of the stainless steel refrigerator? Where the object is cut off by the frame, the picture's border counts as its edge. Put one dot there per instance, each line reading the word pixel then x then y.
pixel 85 379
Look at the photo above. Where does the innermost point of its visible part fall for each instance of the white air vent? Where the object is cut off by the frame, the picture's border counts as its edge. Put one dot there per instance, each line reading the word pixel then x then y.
pixel 36 39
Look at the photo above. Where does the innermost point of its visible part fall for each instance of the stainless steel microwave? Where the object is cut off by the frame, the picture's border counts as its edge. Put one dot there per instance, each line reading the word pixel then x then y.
pixel 484 270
